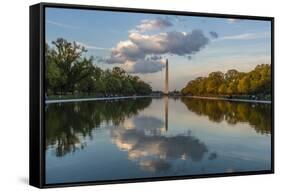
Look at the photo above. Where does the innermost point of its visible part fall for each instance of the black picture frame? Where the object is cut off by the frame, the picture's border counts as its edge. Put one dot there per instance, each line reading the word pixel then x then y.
pixel 37 88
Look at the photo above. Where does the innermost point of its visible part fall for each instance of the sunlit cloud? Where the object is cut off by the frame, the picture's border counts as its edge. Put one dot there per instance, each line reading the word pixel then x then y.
pixel 143 53
pixel 154 24
pixel 144 66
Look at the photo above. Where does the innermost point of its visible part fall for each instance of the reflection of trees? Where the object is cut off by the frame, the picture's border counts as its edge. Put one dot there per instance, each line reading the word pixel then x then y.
pixel 68 124
pixel 257 115
pixel 152 150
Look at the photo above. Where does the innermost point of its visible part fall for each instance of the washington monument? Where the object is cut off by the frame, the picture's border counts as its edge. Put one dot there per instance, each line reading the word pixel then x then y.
pixel 166 89
pixel 166 92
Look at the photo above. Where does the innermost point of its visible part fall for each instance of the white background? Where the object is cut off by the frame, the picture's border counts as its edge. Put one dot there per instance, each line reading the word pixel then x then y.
pixel 14 88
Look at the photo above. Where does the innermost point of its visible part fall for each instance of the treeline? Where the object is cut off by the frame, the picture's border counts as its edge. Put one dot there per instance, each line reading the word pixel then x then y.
pixel 69 72
pixel 255 82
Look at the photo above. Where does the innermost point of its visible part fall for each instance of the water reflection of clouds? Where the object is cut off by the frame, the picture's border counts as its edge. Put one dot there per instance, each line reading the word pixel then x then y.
pixel 150 125
pixel 155 165
pixel 146 143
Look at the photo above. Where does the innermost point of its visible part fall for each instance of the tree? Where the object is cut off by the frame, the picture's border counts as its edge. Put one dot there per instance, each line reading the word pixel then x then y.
pixel 244 85
pixel 201 85
pixel 69 71
pixel 257 81
pixel 65 65
pixel 222 89
pixel 213 82
pixel 127 87
pixel 117 71
pixel 231 75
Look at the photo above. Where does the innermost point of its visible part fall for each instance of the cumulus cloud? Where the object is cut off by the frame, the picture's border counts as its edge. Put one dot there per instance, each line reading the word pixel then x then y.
pixel 214 34
pixel 146 50
pixel 144 66
pixel 181 43
pixel 148 25
pixel 125 51
pixel 155 57
pixel 149 44
pixel 174 42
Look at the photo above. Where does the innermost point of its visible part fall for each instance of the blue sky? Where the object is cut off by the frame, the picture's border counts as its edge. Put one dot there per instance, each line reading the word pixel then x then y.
pixel 140 43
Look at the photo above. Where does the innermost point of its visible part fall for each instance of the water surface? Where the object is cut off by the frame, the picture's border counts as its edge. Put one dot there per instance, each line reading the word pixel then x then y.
pixel 155 137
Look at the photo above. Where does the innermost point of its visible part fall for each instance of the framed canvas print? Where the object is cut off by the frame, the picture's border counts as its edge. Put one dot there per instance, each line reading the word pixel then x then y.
pixel 127 95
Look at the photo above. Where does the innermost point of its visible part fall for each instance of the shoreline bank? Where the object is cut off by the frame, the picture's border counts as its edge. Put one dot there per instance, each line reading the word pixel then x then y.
pixel 230 99
pixel 154 96
pixel 95 99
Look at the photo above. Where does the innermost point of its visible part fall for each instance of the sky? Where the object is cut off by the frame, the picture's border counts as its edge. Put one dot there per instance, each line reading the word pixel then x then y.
pixel 140 43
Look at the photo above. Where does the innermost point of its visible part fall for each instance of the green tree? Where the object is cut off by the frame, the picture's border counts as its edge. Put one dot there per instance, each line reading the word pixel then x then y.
pixel 214 81
pixel 222 89
pixel 244 85
pixel 69 71
pixel 255 82
pixel 64 62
